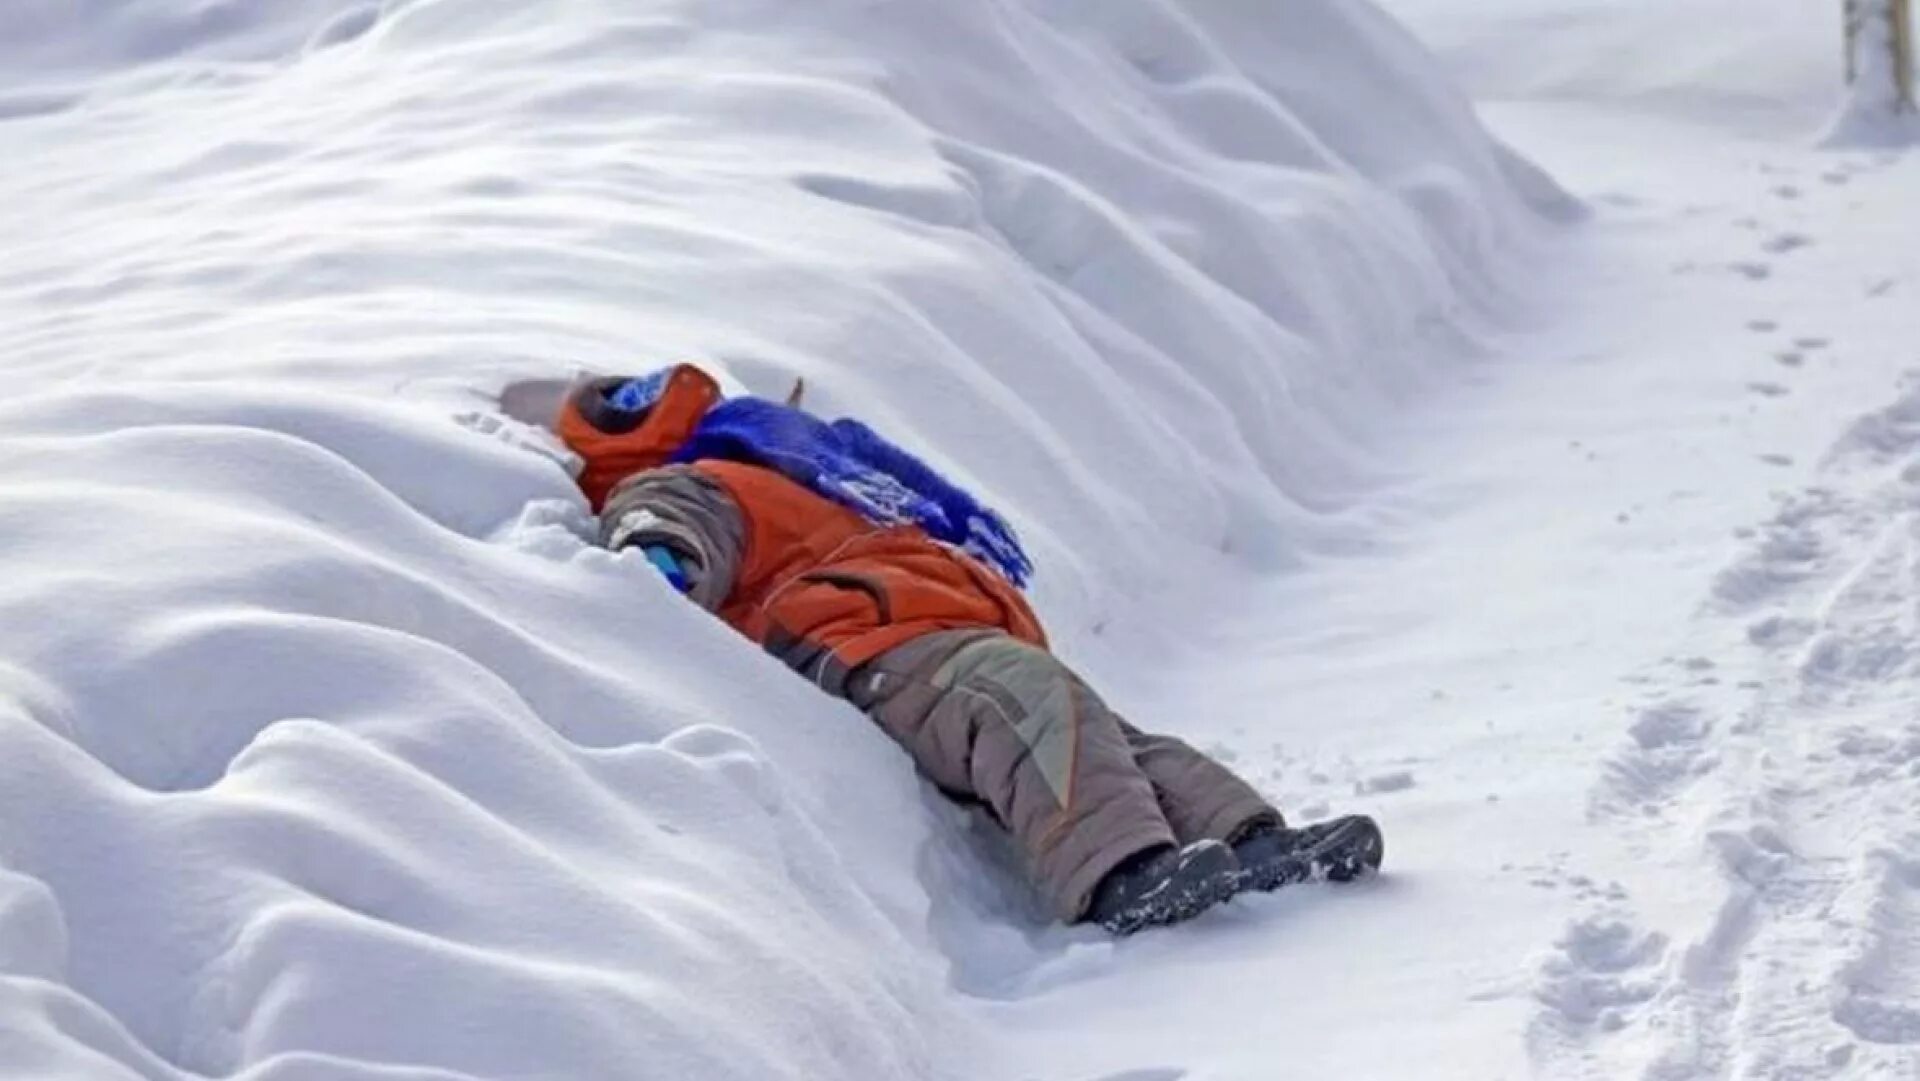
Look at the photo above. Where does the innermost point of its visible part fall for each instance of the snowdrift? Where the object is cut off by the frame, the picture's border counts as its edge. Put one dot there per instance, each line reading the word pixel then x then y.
pixel 329 747
pixel 1770 59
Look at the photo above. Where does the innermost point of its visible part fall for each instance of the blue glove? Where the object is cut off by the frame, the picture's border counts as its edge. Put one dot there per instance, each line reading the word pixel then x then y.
pixel 668 563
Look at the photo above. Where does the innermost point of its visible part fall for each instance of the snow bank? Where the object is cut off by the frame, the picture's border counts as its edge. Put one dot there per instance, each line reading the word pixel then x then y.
pixel 331 748
pixel 1760 57
pixel 1768 65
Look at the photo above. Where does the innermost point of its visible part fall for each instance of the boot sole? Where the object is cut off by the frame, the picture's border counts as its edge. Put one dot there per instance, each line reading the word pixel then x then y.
pixel 1364 854
pixel 1353 850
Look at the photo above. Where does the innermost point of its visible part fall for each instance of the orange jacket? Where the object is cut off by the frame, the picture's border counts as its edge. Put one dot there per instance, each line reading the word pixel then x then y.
pixel 815 572
pixel 811 580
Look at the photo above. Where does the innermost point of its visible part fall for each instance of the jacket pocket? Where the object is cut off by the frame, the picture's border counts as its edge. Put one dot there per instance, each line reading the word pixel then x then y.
pixel 862 583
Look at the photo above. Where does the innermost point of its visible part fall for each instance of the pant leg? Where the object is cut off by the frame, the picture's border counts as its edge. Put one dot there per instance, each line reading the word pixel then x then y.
pixel 988 717
pixel 1202 798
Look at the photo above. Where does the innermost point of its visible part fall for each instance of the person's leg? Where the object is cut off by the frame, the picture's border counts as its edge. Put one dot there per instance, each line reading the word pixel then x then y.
pixel 1205 800
pixel 1202 799
pixel 989 717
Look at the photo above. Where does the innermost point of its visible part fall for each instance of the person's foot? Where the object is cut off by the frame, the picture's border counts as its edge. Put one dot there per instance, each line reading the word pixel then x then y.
pixel 1340 849
pixel 1164 885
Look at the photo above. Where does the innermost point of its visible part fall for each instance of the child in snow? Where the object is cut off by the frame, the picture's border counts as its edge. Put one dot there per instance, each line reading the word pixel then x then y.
pixel 878 581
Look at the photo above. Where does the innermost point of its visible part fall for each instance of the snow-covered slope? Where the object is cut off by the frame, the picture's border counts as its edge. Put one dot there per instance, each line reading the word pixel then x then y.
pixel 1775 67
pixel 329 749
pixel 1758 62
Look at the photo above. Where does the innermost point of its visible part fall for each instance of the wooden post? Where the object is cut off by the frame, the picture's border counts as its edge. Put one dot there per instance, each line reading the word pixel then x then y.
pixel 1903 55
pixel 1866 20
pixel 1855 15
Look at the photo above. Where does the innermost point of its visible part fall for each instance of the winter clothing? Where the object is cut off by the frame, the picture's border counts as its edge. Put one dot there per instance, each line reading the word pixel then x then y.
pixel 668 564
pixel 845 461
pixel 1003 722
pixel 1164 885
pixel 810 580
pixel 856 467
pixel 615 443
pixel 941 651
pixel 1339 849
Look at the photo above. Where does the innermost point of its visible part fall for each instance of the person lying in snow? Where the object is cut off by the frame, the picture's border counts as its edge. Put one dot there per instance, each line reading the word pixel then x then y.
pixel 880 582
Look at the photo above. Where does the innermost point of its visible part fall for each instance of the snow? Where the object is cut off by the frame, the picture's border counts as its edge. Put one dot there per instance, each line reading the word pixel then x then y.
pixel 1731 63
pixel 332 747
pixel 1575 544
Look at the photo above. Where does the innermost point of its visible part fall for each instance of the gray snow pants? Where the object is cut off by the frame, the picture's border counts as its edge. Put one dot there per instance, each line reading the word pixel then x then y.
pixel 990 718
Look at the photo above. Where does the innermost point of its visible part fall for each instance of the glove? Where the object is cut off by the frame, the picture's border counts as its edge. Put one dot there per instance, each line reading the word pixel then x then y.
pixel 667 561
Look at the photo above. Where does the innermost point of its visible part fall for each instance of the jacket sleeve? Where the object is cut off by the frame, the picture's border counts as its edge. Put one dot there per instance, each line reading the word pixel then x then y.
pixel 679 507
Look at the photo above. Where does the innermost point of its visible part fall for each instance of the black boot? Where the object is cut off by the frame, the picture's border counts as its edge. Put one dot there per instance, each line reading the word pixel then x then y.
pixel 1164 885
pixel 1340 849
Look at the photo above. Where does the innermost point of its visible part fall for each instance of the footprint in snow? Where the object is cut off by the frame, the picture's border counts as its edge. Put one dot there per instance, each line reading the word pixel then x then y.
pixel 1619 199
pixel 1787 242
pixel 1780 631
pixel 1667 748
pixel 1752 271
pixel 1602 968
pixel 1380 783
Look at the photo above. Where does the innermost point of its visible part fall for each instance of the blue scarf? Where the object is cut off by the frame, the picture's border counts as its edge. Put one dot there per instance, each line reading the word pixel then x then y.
pixel 854 466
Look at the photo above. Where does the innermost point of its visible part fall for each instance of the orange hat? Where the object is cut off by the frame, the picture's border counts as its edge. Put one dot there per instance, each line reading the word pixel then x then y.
pixel 616 441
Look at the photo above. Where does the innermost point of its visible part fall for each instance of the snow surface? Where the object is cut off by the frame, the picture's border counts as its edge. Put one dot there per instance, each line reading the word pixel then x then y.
pixel 1581 554
pixel 1739 63
pixel 333 749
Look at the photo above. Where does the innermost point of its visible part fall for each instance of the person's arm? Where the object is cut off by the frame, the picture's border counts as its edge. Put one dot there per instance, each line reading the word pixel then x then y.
pixel 681 519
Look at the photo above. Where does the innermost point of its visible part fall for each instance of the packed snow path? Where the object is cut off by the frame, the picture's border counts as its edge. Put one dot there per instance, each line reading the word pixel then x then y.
pixel 1632 688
